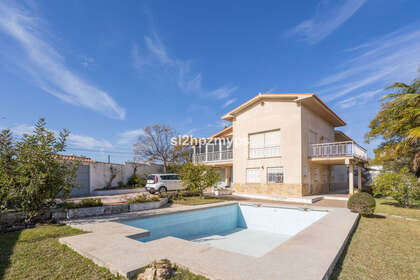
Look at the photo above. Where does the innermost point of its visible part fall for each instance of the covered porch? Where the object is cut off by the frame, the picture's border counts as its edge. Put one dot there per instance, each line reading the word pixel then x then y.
pixel 347 153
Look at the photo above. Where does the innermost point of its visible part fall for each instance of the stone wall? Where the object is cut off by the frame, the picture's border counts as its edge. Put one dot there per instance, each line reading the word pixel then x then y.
pixel 292 190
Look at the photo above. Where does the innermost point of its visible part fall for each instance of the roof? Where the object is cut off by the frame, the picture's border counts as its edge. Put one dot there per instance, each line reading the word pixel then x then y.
pixel 227 131
pixel 311 101
pixel 74 157
pixel 341 136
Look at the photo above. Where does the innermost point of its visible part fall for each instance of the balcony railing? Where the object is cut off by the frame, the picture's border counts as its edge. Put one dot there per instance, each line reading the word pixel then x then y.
pixel 213 156
pixel 337 149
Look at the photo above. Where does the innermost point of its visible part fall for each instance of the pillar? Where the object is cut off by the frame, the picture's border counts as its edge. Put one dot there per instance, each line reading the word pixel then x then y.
pixel 359 178
pixel 227 176
pixel 351 178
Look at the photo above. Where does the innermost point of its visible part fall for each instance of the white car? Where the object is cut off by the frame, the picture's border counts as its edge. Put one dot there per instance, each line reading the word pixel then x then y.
pixel 163 182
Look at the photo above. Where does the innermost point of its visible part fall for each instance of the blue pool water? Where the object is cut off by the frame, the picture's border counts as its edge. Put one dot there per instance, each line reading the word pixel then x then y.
pixel 244 229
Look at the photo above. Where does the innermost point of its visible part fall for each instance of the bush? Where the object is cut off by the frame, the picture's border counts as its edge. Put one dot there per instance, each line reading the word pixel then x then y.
pixel 403 187
pixel 362 203
pixel 143 198
pixel 84 203
pixel 198 177
pixel 32 176
pixel 136 181
pixel 121 184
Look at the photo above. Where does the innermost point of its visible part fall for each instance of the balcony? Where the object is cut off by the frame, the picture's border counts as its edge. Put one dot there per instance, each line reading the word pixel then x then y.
pixel 213 157
pixel 348 149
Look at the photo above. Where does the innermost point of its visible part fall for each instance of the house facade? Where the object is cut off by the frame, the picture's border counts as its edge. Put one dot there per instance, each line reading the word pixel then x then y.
pixel 283 145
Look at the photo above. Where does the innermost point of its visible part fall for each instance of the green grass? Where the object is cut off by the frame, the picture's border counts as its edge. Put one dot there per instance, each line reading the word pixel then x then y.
pixel 385 248
pixel 37 254
pixel 196 200
pixel 390 206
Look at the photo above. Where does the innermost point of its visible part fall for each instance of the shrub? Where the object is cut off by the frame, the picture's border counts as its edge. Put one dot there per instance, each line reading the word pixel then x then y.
pixel 121 184
pixel 136 181
pixel 403 187
pixel 143 198
pixel 198 177
pixel 84 203
pixel 32 176
pixel 362 203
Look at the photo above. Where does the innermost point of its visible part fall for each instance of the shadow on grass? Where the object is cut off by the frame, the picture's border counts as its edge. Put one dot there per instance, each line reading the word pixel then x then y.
pixel 339 265
pixel 7 243
pixel 375 216
pixel 395 204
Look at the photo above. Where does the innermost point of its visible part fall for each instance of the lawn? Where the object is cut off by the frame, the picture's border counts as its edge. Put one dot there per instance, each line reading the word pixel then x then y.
pixel 383 247
pixel 196 200
pixel 390 207
pixel 36 254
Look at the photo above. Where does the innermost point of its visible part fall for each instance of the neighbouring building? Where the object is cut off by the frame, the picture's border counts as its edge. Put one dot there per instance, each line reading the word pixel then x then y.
pixel 283 145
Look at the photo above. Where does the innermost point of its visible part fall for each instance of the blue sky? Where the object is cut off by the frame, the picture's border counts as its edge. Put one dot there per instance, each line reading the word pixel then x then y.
pixel 107 69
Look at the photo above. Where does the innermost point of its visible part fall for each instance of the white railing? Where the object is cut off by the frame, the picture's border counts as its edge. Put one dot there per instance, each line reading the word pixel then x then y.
pixel 213 156
pixel 264 152
pixel 337 149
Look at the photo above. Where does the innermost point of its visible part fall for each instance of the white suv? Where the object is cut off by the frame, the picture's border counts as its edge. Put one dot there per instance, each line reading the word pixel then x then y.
pixel 163 182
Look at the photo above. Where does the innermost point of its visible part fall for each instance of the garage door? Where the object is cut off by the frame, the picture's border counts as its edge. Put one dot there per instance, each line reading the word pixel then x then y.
pixel 83 187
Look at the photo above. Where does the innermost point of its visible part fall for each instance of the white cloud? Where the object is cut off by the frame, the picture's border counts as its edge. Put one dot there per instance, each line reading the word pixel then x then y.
pixel 155 53
pixel 374 65
pixel 223 92
pixel 87 142
pixel 359 99
pixel 46 66
pixel 129 136
pixel 230 101
pixel 74 140
pixel 329 16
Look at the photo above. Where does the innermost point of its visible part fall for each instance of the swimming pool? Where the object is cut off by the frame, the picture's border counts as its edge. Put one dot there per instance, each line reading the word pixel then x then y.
pixel 244 229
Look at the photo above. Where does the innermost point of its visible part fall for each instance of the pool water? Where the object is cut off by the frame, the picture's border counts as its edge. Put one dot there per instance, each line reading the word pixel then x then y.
pixel 244 229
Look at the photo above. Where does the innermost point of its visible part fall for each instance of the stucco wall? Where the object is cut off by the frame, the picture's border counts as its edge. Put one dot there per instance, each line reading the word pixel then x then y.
pixel 261 117
pixel 100 172
pixel 311 122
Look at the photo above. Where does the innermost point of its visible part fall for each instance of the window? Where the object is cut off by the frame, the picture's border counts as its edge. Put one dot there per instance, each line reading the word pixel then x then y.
pixel 266 144
pixel 305 171
pixel 252 175
pixel 274 175
pixel 316 174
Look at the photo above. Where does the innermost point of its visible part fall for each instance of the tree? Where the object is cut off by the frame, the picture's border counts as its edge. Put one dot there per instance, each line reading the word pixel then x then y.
pixel 198 177
pixel 398 124
pixel 402 186
pixel 38 175
pixel 7 166
pixel 157 144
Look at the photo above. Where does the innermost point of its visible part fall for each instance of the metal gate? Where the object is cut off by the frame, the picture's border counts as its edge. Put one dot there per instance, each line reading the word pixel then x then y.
pixel 83 186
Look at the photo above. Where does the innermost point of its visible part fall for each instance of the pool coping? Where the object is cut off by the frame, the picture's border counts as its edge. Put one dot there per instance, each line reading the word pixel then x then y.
pixel 310 254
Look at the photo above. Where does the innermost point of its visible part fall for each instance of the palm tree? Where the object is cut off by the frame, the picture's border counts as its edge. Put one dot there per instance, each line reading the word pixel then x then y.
pixel 398 123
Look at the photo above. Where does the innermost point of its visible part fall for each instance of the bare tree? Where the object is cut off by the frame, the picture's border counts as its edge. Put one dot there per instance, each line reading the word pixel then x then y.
pixel 155 145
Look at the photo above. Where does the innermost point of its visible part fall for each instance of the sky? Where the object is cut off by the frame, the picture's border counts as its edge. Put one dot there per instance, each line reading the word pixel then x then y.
pixel 107 69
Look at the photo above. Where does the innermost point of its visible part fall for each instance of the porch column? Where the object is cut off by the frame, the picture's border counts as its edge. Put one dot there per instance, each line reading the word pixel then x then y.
pixel 351 178
pixel 359 178
pixel 227 176
pixel 194 154
pixel 206 159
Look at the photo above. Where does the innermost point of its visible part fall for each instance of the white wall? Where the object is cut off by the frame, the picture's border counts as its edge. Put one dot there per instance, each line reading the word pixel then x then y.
pixel 100 172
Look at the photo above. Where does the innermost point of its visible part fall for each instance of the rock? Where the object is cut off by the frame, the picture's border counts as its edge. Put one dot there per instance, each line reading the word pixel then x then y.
pixel 160 270
pixel 148 274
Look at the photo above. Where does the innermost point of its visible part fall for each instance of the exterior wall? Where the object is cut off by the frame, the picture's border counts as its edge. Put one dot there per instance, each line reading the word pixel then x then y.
pixel 311 122
pixel 261 117
pixel 100 172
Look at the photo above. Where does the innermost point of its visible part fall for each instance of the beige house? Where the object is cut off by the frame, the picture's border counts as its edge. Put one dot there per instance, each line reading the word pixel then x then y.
pixel 283 145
